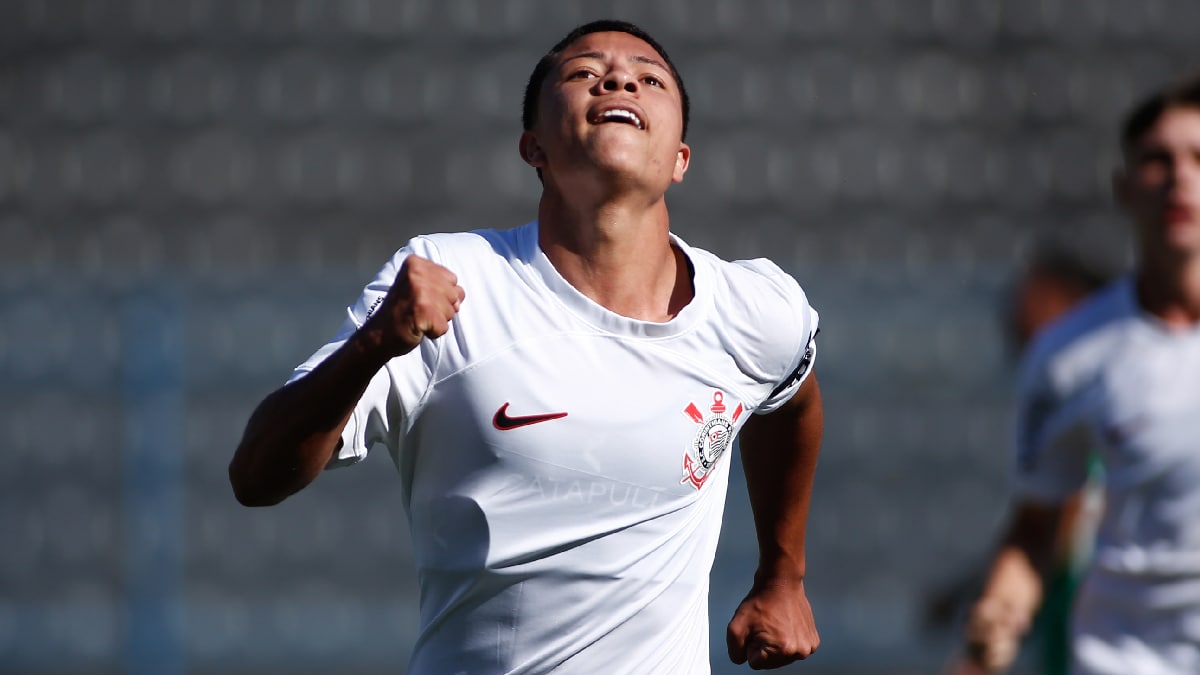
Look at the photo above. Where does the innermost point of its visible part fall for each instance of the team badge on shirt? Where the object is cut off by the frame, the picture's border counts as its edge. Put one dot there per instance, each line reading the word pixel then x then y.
pixel 711 441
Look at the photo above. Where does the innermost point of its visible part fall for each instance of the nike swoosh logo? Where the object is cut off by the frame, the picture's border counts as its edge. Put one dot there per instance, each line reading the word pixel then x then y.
pixel 503 422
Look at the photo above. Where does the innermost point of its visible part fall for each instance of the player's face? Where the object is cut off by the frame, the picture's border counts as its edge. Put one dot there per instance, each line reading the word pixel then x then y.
pixel 610 103
pixel 1160 184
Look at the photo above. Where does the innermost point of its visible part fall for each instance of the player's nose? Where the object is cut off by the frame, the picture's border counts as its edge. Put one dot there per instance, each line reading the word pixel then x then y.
pixel 617 79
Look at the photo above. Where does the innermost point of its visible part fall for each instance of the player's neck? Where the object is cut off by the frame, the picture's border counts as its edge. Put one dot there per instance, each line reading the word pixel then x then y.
pixel 619 254
pixel 1170 290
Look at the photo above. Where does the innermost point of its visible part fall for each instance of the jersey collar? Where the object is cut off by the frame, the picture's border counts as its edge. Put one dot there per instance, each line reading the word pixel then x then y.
pixel 605 319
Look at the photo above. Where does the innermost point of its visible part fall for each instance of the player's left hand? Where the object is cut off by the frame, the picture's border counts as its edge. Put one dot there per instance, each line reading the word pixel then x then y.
pixel 773 626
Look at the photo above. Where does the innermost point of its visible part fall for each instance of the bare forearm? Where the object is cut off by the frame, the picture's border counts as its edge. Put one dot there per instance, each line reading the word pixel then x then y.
pixel 293 433
pixel 1014 577
pixel 1024 556
pixel 1013 590
pixel 774 624
pixel 779 455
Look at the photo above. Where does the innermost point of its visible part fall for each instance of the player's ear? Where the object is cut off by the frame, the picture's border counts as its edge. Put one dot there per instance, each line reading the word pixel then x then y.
pixel 530 151
pixel 681 162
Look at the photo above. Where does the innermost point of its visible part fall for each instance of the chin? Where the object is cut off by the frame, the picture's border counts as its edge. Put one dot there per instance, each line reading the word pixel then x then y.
pixel 1183 238
pixel 619 165
pixel 616 155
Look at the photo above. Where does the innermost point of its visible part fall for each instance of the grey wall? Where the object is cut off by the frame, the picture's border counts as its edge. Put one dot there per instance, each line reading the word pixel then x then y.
pixel 191 191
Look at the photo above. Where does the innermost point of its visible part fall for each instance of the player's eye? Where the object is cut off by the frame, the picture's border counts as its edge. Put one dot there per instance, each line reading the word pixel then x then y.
pixel 653 81
pixel 1154 159
pixel 582 75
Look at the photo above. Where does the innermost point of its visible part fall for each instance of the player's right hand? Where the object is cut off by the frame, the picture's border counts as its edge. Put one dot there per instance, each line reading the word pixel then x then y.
pixel 994 632
pixel 421 302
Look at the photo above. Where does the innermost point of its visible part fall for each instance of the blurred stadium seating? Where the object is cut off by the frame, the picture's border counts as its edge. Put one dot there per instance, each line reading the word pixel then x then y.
pixel 191 191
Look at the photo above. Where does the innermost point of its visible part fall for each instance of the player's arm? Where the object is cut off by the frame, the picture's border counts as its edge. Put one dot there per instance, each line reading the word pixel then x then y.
pixel 1013 589
pixel 774 625
pixel 294 431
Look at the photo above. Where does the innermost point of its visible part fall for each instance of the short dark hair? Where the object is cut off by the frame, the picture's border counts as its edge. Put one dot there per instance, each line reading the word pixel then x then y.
pixel 1080 273
pixel 1182 94
pixel 533 89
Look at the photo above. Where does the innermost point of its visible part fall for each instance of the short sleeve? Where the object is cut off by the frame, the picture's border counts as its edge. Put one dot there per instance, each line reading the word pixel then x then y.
pixel 380 415
pixel 802 362
pixel 1053 444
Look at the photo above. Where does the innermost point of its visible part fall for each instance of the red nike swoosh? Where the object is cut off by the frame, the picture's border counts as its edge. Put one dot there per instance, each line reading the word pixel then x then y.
pixel 504 423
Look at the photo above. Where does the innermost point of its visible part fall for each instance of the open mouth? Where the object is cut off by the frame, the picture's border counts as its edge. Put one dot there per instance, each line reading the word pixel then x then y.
pixel 620 115
pixel 1177 213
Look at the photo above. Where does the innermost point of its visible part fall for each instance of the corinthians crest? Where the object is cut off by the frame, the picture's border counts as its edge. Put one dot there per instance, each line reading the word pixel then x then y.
pixel 713 437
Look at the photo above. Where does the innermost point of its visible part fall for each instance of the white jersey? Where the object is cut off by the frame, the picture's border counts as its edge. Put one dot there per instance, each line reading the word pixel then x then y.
pixel 1130 385
pixel 564 468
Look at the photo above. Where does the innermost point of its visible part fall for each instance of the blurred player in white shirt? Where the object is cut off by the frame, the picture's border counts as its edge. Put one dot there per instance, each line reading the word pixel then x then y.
pixel 1123 370
pixel 559 399
pixel 1054 281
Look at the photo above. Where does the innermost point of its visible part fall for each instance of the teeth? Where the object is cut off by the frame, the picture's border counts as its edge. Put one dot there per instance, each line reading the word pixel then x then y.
pixel 622 114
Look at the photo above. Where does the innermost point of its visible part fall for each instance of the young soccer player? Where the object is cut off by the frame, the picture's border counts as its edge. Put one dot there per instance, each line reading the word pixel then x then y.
pixel 560 398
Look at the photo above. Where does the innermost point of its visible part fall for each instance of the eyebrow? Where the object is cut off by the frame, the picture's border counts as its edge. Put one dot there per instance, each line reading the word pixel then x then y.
pixel 636 59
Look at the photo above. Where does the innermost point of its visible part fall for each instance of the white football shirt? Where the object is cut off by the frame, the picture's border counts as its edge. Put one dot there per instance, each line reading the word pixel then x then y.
pixel 564 468
pixel 1131 385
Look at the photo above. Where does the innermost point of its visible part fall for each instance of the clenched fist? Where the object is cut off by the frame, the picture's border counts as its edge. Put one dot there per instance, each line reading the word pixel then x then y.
pixel 421 302
pixel 772 627
pixel 994 633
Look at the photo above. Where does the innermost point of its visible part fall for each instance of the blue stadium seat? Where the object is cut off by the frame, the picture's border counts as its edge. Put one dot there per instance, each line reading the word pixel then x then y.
pixel 196 87
pixel 55 21
pixel 285 21
pixel 213 167
pixel 493 91
pixel 87 624
pixel 221 624
pixel 488 20
pixel 299 87
pixel 405 88
pixel 171 22
pixel 384 19
pixel 85 90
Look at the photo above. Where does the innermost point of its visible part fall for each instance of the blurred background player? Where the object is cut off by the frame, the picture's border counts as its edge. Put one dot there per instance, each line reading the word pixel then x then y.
pixel 1055 282
pixel 1051 284
pixel 1123 371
